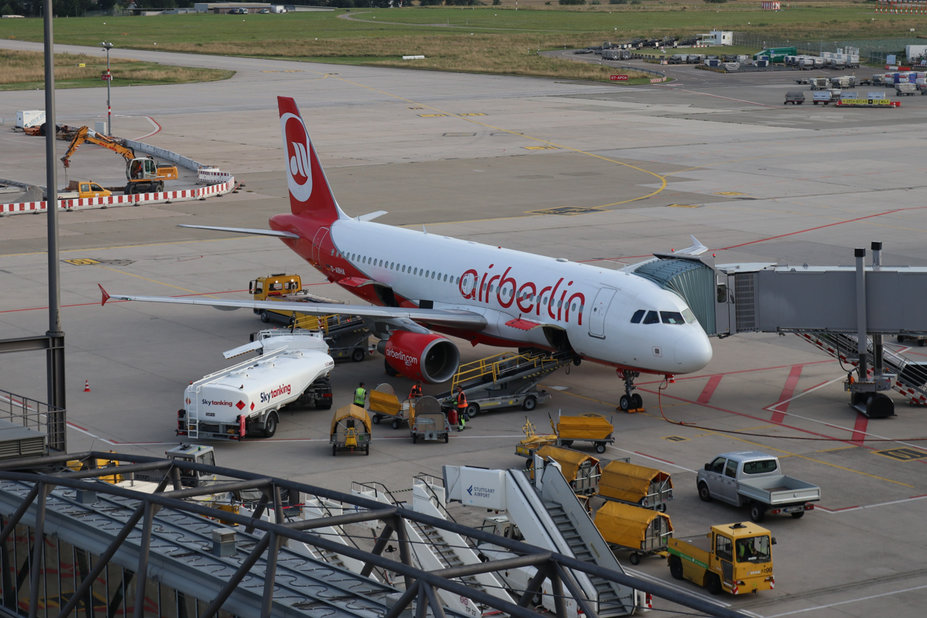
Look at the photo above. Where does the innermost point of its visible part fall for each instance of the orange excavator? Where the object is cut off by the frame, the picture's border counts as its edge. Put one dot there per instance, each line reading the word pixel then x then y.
pixel 142 173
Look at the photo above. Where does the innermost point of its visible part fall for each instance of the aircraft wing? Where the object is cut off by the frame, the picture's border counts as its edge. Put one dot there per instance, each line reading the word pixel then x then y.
pixel 446 317
pixel 242 230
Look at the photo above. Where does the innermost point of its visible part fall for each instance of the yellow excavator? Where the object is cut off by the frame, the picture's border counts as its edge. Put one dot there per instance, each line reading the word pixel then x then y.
pixel 142 173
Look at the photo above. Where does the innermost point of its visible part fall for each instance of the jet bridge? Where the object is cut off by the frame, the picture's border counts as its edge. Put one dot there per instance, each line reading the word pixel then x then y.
pixel 844 310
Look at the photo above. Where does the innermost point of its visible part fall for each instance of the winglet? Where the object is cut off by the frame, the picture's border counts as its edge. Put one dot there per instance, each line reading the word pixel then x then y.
pixel 105 295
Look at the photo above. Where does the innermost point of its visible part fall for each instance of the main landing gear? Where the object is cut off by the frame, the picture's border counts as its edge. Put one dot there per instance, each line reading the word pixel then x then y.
pixel 630 401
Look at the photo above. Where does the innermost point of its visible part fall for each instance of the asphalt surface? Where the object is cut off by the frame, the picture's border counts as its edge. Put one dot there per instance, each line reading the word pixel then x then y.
pixel 631 170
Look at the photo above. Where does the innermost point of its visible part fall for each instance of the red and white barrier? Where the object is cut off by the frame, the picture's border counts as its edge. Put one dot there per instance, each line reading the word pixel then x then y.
pixel 138 199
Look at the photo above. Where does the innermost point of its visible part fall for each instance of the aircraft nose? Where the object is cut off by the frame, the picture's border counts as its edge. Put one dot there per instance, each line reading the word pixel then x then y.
pixel 693 351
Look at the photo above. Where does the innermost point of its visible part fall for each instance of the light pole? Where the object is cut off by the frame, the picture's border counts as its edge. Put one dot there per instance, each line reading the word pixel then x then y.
pixel 108 76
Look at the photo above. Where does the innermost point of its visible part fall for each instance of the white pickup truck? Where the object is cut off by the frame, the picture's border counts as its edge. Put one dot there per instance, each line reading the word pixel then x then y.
pixel 754 479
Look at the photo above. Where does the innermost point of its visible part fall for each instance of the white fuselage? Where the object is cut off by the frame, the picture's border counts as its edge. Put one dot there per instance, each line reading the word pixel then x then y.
pixel 594 306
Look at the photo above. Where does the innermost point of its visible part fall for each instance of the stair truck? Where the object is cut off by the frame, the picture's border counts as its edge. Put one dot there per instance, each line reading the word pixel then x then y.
pixel 639 485
pixel 244 400
pixel 350 430
pixel 624 526
pixel 734 558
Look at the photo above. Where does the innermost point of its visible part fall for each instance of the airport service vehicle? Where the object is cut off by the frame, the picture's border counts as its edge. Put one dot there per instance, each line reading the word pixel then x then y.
pixel 422 284
pixel 795 97
pixel 734 558
pixel 83 189
pixel 346 335
pixel 905 89
pixel 351 430
pixel 245 399
pixel 824 96
pixel 753 479
pixel 142 173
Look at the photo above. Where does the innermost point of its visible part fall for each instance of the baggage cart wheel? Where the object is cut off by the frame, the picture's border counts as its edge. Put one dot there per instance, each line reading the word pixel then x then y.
pixel 447 437
pixel 634 558
pixel 396 423
pixel 661 507
pixel 414 438
pixel 675 567
pixel 376 419
pixel 367 449
pixel 600 448
pixel 334 450
pixel 530 403
pixel 566 443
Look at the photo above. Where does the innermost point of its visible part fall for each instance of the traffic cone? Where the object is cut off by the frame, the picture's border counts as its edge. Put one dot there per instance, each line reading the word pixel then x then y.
pixel 86 386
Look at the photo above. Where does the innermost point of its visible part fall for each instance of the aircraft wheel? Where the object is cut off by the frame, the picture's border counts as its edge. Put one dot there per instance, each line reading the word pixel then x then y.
pixel 624 402
pixel 270 425
pixel 637 401
pixel 530 403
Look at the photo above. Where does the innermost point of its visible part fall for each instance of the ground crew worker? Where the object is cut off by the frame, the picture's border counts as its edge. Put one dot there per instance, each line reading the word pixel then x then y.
pixel 461 409
pixel 360 395
pixel 416 391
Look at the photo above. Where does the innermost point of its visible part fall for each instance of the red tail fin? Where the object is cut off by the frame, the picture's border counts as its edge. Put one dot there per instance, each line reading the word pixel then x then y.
pixel 309 190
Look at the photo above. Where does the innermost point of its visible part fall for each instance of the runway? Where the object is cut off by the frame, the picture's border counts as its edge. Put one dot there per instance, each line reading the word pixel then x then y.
pixel 588 172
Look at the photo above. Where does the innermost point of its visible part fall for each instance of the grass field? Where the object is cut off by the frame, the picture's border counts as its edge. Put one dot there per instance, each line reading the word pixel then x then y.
pixel 496 39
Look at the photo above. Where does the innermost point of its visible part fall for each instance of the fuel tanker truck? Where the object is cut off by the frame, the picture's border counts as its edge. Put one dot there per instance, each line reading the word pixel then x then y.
pixel 244 400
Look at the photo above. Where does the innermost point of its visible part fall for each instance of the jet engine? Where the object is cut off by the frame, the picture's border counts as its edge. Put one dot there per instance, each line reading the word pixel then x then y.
pixel 421 356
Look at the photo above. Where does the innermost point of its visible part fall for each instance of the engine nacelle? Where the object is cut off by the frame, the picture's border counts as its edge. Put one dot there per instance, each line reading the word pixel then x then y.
pixel 427 357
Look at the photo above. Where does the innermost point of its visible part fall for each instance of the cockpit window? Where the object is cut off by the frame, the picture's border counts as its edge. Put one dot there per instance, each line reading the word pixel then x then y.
pixel 651 318
pixel 672 317
pixel 688 315
pixel 636 318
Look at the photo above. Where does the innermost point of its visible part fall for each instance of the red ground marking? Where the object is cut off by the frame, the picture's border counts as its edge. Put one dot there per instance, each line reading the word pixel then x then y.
pixel 788 390
pixel 859 429
pixel 709 389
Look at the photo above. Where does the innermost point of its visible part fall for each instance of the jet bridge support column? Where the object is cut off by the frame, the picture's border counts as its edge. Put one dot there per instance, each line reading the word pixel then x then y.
pixel 864 392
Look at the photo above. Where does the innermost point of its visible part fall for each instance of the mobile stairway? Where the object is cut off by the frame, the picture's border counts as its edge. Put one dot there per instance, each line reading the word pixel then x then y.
pixel 893 371
pixel 436 549
pixel 503 380
pixel 547 514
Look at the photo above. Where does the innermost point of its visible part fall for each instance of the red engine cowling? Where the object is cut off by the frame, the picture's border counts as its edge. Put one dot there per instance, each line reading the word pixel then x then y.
pixel 427 357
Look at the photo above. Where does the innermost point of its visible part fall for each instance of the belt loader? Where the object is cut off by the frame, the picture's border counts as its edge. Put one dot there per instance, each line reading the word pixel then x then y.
pixel 245 399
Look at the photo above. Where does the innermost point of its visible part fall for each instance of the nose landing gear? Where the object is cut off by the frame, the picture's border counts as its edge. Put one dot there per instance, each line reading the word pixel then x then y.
pixel 630 402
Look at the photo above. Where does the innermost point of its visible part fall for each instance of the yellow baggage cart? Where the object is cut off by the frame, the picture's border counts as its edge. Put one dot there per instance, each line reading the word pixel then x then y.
pixel 624 526
pixel 581 471
pixel 350 430
pixel 593 428
pixel 633 484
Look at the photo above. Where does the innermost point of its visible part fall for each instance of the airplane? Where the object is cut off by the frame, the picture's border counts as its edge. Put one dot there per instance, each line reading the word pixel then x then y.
pixel 423 286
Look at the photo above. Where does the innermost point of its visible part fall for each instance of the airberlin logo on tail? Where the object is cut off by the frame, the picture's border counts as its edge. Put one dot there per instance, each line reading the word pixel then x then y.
pixel 298 149
pixel 555 301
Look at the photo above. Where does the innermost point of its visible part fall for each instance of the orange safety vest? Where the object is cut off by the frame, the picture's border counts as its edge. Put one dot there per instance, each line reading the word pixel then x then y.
pixel 461 400
pixel 415 392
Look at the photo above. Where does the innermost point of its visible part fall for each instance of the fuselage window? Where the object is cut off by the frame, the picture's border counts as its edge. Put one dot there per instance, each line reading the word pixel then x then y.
pixel 652 318
pixel 672 317
pixel 638 315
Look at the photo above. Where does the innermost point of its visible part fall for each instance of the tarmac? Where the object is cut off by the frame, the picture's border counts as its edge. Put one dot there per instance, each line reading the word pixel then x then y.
pixel 590 172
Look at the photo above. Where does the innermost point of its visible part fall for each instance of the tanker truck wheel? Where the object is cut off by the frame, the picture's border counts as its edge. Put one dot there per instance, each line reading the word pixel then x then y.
pixel 270 425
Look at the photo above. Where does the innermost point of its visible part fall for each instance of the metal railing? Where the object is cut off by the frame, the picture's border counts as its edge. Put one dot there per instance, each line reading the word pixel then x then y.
pixel 37 415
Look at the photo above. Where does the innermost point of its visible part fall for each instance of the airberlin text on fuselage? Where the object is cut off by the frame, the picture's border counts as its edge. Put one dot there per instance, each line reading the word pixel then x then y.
pixel 528 296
